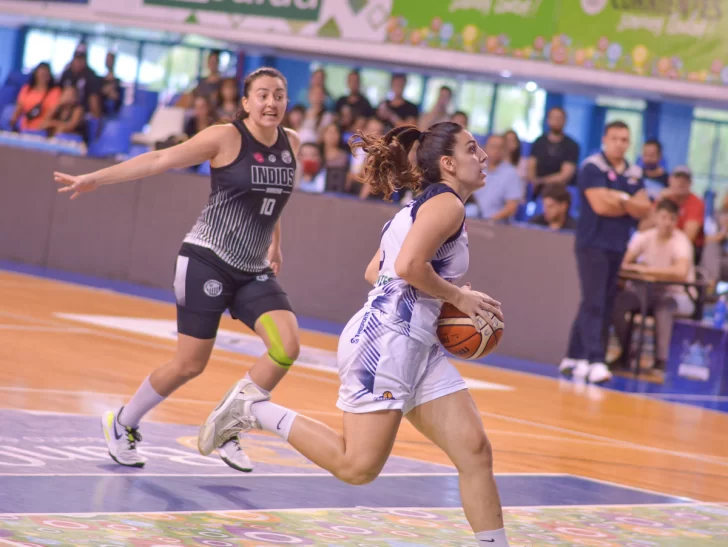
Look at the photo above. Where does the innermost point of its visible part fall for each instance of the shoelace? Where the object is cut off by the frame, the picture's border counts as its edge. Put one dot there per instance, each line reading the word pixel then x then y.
pixel 245 422
pixel 133 436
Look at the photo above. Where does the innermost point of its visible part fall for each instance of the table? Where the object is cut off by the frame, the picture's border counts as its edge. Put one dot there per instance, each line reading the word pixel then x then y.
pixel 648 281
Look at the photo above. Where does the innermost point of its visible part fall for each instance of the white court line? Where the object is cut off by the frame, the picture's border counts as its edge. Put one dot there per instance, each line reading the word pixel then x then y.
pixel 33 328
pixel 636 488
pixel 690 397
pixel 243 476
pixel 233 512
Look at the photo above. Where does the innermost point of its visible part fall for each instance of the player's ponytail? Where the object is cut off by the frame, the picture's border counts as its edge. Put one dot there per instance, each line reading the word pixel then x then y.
pixel 387 167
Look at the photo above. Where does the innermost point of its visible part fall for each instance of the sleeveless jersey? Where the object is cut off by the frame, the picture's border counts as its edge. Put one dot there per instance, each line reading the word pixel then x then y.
pixel 246 201
pixel 404 308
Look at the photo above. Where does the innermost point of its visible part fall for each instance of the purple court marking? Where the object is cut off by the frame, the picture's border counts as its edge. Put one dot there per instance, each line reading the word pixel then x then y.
pixel 40 443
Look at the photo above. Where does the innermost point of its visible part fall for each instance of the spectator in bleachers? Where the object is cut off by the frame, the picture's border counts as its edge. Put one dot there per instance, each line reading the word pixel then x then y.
pixel 613 198
pixel 373 126
pixel 665 253
pixel 359 104
pixel 85 81
pixel 715 252
pixel 228 100
pixel 37 99
pixel 209 86
pixel 692 209
pixel 398 110
pixel 335 152
pixel 556 205
pixel 317 117
pixel 460 118
pixel 294 118
pixel 312 169
pixel 203 117
pixel 317 79
pixel 554 156
pixel 652 162
pixel 110 88
pixel 439 112
pixel 499 199
pixel 513 148
pixel 68 116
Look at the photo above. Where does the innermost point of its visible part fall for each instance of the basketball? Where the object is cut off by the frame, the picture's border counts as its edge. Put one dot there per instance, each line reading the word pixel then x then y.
pixel 461 338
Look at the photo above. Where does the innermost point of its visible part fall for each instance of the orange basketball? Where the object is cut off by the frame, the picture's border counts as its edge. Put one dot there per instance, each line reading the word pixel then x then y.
pixel 460 337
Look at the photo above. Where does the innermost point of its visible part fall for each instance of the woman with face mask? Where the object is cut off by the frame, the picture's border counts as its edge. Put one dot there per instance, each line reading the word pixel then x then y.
pixel 228 261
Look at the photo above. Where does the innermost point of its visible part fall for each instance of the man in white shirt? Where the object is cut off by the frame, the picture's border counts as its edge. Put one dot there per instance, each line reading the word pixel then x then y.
pixel 503 191
pixel 666 254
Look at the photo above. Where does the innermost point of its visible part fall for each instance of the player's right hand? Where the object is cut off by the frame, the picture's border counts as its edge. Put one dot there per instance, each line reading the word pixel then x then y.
pixel 478 305
pixel 77 185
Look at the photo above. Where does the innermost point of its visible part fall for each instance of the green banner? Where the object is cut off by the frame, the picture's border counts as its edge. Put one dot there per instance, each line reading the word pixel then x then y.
pixel 298 10
pixel 674 39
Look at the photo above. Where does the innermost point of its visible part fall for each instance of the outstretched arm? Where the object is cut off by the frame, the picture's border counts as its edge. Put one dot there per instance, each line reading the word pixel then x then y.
pixel 204 146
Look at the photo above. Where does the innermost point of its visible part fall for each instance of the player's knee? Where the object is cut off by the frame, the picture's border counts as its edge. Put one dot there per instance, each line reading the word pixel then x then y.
pixel 357 474
pixel 475 454
pixel 283 344
pixel 189 367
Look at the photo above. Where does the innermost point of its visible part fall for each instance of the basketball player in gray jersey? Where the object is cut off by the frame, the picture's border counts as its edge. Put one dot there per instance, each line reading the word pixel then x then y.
pixel 228 261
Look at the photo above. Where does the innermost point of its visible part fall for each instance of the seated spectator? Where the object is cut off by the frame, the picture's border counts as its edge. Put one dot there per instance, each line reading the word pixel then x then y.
pixel 334 149
pixel 556 205
pixel 374 126
pixel 209 86
pixel 460 118
pixel 317 117
pixel 652 162
pixel 439 111
pixel 715 252
pixel 228 100
pixel 67 117
pixel 37 99
pixel 513 148
pixel 110 88
pixel 692 209
pixel 294 118
pixel 503 191
pixel 312 170
pixel 358 103
pixel 85 81
pixel 665 253
pixel 398 110
pixel 202 118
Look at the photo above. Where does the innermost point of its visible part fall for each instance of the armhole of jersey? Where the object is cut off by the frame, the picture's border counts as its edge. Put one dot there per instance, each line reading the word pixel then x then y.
pixel 243 146
pixel 440 189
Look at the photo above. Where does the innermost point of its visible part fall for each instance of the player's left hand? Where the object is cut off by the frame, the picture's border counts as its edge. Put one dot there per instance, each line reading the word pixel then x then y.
pixel 276 259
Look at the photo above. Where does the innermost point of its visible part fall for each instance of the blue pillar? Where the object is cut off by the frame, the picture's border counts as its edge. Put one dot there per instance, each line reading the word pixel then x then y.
pixel 676 121
pixel 12 40
pixel 254 61
pixel 580 111
pixel 298 74
pixel 651 120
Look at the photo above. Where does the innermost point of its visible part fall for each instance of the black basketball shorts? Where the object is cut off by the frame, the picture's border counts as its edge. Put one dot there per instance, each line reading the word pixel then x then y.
pixel 205 286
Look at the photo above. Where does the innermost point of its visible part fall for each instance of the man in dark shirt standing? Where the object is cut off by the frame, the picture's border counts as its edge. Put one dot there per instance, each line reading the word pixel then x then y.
pixel 398 110
pixel 554 156
pixel 85 80
pixel 360 106
pixel 613 199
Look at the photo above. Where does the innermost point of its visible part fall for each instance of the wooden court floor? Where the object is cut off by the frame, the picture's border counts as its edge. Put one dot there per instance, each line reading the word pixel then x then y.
pixel 536 424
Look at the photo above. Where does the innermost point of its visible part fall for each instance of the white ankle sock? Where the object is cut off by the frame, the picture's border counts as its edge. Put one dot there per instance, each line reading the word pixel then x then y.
pixel 144 400
pixel 492 538
pixel 263 391
pixel 274 418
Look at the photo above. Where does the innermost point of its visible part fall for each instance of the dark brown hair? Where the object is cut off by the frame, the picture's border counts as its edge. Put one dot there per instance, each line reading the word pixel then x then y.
pixel 558 193
pixel 668 205
pixel 513 155
pixel 387 167
pixel 250 78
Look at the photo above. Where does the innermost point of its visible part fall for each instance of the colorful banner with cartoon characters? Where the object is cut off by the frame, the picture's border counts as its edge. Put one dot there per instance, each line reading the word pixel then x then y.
pixel 673 39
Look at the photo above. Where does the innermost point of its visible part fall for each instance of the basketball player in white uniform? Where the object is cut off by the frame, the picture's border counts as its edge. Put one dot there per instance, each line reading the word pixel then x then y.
pixel 390 363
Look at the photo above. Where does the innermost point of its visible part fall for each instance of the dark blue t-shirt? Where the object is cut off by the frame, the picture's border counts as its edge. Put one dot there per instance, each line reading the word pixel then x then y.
pixel 600 232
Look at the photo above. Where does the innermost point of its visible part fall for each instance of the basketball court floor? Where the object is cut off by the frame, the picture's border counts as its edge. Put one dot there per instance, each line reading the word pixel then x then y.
pixel 576 464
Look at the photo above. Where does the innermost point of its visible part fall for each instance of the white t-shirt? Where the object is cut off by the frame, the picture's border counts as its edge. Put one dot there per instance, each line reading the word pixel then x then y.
pixel 663 253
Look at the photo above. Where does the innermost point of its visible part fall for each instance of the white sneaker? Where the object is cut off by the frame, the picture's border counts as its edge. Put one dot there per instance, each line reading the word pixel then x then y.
pixel 233 455
pixel 581 370
pixel 599 373
pixel 121 440
pixel 567 366
pixel 230 417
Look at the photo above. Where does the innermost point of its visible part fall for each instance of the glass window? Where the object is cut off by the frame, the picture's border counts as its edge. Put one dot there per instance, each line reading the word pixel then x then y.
pixel 62 52
pixel 520 110
pixel 635 124
pixel 621 102
pixel 375 84
pixel 38 49
pixel 721 160
pixel 336 76
pixel 700 154
pixel 432 92
pixel 184 68
pixel 153 69
pixel 476 99
pixel 710 114
pixel 415 88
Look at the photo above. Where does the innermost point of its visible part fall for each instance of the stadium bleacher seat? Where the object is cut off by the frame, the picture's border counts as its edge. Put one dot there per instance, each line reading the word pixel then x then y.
pixel 135 116
pixel 8 94
pixel 6 112
pixel 114 139
pixel 17 78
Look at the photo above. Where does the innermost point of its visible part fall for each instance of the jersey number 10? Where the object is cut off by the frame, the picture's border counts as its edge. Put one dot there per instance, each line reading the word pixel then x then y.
pixel 268 206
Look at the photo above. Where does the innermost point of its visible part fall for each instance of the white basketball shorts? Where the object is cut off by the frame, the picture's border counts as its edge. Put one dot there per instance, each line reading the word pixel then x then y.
pixel 383 369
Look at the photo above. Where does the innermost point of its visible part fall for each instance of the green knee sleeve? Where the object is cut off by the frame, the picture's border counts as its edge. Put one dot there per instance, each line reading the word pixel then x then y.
pixel 276 351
